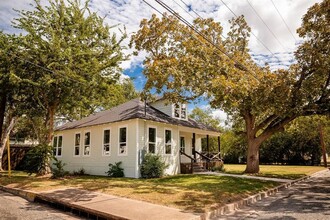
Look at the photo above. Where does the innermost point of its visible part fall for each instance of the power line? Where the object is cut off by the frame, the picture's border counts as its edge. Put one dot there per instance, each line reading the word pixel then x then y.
pixel 283 20
pixel 180 18
pixel 194 12
pixel 262 43
pixel 42 67
pixel 255 11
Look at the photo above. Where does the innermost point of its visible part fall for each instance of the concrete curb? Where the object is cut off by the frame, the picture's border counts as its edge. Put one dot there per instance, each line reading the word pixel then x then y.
pixel 77 209
pixel 252 199
pixel 26 194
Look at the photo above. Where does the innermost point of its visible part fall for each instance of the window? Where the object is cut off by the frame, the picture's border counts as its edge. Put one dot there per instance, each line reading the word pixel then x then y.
pixel 77 144
pixel 152 140
pixel 177 111
pixel 168 142
pixel 182 144
pixel 106 142
pixel 57 146
pixel 183 111
pixel 87 144
pixel 123 141
pixel 180 111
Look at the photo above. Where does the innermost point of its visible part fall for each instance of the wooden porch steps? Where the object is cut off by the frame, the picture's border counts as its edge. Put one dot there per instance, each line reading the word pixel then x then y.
pixel 198 167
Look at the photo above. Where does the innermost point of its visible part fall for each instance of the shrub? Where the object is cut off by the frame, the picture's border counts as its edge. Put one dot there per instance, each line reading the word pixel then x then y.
pixel 152 166
pixel 38 158
pixel 58 171
pixel 80 172
pixel 115 170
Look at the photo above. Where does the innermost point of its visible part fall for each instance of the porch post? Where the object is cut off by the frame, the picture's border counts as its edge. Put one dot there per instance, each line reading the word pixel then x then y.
pixel 194 146
pixel 207 145
pixel 218 144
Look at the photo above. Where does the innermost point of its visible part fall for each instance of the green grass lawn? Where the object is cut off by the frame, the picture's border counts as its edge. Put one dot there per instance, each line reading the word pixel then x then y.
pixel 197 193
pixel 278 171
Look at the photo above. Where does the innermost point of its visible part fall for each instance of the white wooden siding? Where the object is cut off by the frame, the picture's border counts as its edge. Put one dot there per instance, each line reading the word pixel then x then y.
pixel 96 164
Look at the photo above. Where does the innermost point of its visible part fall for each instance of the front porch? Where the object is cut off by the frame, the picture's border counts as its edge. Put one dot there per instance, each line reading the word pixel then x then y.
pixel 193 158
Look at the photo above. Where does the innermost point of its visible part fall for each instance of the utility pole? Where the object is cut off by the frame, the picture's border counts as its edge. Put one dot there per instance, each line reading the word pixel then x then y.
pixel 323 146
pixel 8 154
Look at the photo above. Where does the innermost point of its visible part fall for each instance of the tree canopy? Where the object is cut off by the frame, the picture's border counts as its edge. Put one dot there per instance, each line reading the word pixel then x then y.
pixel 183 65
pixel 71 63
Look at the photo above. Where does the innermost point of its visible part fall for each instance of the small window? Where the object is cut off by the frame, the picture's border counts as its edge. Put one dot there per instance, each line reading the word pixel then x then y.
pixel 177 111
pixel 57 146
pixel 168 142
pixel 77 144
pixel 152 140
pixel 106 142
pixel 182 144
pixel 123 141
pixel 183 111
pixel 87 144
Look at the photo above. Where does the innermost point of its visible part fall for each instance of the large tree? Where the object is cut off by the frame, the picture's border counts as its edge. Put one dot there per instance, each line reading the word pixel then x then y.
pixel 12 86
pixel 73 58
pixel 184 65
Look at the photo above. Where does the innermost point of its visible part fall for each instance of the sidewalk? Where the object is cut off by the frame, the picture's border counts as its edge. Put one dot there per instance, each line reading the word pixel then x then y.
pixel 102 206
pixel 247 177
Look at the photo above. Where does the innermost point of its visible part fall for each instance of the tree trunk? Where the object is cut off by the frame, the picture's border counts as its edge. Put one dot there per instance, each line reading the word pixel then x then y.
pixel 3 101
pixel 47 139
pixel 252 163
pixel 4 139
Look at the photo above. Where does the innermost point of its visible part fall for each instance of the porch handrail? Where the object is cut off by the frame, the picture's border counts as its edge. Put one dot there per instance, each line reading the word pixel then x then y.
pixel 205 157
pixel 216 156
pixel 183 153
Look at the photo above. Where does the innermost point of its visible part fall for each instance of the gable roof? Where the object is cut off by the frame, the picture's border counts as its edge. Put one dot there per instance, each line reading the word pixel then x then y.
pixel 131 110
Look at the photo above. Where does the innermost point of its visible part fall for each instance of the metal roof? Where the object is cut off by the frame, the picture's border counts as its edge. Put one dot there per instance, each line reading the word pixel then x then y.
pixel 132 110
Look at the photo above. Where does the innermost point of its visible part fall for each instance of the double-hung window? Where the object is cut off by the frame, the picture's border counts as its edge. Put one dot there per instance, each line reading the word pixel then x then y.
pixel 87 144
pixel 77 144
pixel 123 141
pixel 57 145
pixel 106 142
pixel 152 140
pixel 182 144
pixel 168 141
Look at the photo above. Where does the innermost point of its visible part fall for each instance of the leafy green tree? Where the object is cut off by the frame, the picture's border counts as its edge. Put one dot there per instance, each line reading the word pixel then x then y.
pixel 205 117
pixel 183 66
pixel 12 86
pixel 73 58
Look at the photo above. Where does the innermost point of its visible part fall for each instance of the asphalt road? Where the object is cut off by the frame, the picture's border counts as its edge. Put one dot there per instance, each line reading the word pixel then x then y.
pixel 308 200
pixel 16 208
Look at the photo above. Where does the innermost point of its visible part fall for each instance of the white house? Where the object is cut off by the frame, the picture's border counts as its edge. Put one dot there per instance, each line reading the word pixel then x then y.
pixel 125 133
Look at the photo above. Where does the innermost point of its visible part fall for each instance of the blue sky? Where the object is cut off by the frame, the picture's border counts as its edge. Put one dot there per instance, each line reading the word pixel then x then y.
pixel 273 40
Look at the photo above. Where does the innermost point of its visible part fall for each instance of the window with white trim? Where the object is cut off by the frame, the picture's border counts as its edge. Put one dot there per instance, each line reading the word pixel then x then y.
pixel 152 140
pixel 57 145
pixel 87 144
pixel 180 111
pixel 106 142
pixel 182 144
pixel 123 141
pixel 77 144
pixel 168 141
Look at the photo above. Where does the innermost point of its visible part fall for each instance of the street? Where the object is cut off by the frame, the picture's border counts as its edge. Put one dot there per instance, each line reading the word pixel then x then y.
pixel 309 199
pixel 16 208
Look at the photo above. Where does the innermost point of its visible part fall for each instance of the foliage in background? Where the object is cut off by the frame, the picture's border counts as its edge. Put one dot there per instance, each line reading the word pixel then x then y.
pixel 115 170
pixel 152 166
pixel 37 158
pixel 205 117
pixel 58 171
